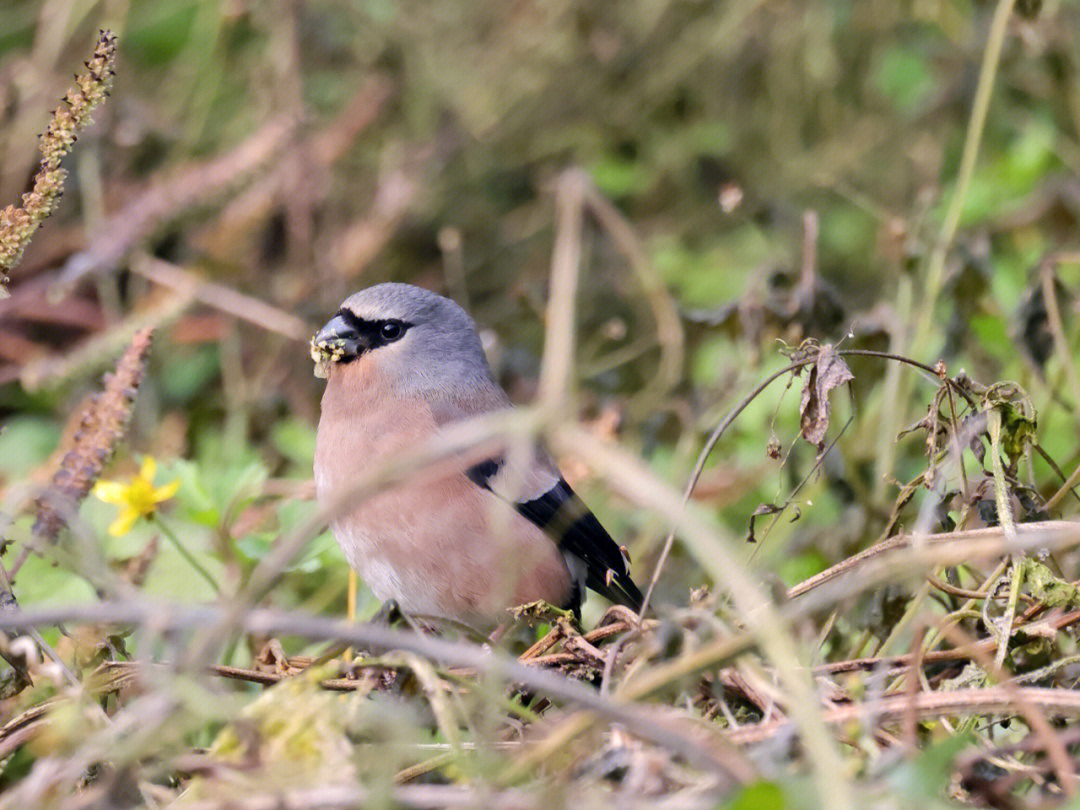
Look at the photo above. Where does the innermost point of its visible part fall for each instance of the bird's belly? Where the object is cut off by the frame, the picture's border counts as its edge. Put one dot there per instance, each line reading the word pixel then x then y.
pixel 378 563
pixel 436 555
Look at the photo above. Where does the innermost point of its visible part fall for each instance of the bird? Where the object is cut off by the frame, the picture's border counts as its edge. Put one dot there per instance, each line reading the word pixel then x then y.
pixel 401 364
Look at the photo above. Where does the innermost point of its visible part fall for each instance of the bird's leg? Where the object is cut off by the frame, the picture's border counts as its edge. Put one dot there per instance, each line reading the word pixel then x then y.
pixel 390 614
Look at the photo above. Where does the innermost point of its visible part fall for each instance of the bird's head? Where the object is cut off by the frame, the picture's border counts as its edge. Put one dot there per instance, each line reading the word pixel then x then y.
pixel 418 341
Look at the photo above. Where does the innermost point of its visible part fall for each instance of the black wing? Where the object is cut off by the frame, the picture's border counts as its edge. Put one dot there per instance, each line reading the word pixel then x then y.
pixel 565 518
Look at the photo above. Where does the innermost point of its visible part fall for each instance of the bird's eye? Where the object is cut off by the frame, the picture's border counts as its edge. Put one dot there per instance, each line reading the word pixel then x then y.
pixel 391 330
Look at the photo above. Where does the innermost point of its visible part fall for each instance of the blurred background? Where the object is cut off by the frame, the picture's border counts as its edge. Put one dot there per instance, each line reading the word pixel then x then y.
pixel 761 173
pixel 893 176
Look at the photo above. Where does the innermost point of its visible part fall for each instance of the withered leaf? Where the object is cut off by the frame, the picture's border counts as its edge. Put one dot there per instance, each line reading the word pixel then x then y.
pixel 773 449
pixel 827 372
pixel 763 509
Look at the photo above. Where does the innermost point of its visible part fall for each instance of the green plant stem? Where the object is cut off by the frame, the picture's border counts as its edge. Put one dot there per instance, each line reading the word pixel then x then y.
pixel 187 555
pixel 935 274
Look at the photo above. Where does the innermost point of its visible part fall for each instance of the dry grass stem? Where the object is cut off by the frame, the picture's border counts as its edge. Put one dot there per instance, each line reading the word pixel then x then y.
pixel 170 198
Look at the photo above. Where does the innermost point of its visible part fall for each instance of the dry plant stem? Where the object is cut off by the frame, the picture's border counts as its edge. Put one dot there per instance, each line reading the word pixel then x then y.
pixel 977 701
pixel 1066 487
pixel 406 775
pixel 222 298
pixel 1057 329
pixel 17 225
pixel 911 689
pixel 1060 532
pixel 668 323
pixel 894 390
pixel 630 476
pixel 315 155
pixel 933 637
pixel 720 429
pixel 685 739
pixel 98 349
pixel 935 272
pixel 699 467
pixel 716 652
pixel 101 426
pixel 435 690
pixel 911 612
pixel 1001 490
pixel 952 590
pixel 991 57
pixel 556 371
pixel 24 553
pixel 1004 509
pixel 432 797
pixel 793 494
pixel 958 451
pixel 170 197
pixel 300 663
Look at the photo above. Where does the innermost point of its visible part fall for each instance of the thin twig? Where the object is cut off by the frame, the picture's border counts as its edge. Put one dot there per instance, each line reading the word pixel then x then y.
pixel 1047 279
pixel 976 701
pixel 556 371
pixel 223 298
pixel 732 415
pixel 973 138
pixel 1069 529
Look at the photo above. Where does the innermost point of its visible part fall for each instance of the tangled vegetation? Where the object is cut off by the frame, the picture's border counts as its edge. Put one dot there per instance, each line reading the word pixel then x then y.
pixel 788 289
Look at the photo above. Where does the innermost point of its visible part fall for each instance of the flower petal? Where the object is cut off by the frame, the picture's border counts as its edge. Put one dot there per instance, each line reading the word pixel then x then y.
pixel 110 492
pixel 163 493
pixel 123 523
pixel 148 468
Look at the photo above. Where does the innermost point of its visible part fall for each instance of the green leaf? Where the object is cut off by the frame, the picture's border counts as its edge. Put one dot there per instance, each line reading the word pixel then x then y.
pixel 194 496
pixel 759 796
pixel 159 31
pixel 620 177
pixel 926 776
pixel 1047 588
pixel 26 442
pixel 294 439
pixel 793 570
pixel 903 78
pixel 187 372
pixel 42 583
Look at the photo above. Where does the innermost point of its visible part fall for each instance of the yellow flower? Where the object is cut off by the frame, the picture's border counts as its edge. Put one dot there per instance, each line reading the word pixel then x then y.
pixel 137 498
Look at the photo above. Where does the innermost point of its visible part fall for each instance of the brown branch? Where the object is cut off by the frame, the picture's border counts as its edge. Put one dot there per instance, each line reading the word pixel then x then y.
pixel 960 653
pixel 980 701
pixel 222 298
pixel 1054 532
pixel 168 198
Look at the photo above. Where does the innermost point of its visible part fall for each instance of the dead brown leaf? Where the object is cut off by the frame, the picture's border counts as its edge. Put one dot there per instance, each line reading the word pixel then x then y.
pixel 827 372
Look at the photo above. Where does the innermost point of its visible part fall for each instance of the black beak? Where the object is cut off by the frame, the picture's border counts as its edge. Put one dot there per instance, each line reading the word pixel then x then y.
pixel 341 337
